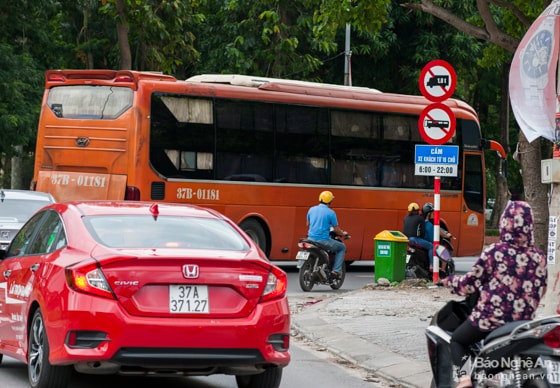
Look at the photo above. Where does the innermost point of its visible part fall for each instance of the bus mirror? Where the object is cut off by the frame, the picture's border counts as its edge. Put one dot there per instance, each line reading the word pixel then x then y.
pixel 493 145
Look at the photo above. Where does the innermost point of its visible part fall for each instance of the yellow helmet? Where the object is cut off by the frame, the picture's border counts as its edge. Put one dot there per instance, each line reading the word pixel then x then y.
pixel 326 197
pixel 413 206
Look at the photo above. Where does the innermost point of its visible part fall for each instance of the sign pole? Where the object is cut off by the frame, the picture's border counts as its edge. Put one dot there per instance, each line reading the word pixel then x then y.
pixel 436 124
pixel 435 274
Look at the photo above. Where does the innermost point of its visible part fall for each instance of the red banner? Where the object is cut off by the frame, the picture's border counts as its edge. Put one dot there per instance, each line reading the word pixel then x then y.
pixel 532 77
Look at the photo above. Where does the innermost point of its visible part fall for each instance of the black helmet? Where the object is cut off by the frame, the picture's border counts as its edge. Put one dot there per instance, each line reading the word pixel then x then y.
pixel 427 208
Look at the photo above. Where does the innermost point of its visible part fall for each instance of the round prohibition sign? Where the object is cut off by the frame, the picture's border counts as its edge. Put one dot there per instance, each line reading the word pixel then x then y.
pixel 437 80
pixel 437 124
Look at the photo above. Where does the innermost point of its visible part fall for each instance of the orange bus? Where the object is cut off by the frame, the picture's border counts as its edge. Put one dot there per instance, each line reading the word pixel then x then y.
pixel 259 150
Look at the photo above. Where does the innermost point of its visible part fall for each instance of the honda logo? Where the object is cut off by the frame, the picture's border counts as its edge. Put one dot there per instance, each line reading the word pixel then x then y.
pixel 190 271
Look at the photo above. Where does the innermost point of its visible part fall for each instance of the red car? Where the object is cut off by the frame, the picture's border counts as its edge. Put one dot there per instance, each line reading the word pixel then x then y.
pixel 109 287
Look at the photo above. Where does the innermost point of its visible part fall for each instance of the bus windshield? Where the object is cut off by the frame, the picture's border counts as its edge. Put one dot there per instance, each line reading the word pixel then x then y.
pixel 92 102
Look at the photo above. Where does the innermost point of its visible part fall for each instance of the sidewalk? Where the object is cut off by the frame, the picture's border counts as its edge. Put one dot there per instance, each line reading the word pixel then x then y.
pixel 377 328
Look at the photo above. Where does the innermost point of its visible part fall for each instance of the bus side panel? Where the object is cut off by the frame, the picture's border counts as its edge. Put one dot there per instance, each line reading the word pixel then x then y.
pixel 67 186
pixel 472 240
pixel 283 208
pixel 278 221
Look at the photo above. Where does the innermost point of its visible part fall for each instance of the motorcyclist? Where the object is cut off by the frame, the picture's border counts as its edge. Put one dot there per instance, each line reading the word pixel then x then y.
pixel 428 213
pixel 320 219
pixel 414 228
pixel 510 276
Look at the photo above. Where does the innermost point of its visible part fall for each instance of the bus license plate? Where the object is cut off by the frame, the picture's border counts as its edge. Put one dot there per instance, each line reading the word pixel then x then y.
pixel 553 371
pixel 188 299
pixel 301 257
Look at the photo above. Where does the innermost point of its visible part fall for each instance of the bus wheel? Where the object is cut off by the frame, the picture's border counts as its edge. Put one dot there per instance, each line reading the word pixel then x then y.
pixel 254 230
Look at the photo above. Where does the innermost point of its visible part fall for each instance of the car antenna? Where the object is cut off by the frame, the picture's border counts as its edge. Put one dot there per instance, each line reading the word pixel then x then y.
pixel 154 209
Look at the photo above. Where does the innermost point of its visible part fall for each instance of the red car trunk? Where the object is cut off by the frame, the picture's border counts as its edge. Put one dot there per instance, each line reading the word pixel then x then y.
pixel 171 286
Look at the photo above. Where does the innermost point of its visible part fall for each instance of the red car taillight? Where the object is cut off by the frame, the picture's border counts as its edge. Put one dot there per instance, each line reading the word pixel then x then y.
pixel 276 285
pixel 552 338
pixel 88 279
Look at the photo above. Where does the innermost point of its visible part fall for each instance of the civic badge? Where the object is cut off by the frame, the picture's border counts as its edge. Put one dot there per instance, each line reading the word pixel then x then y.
pixel 190 271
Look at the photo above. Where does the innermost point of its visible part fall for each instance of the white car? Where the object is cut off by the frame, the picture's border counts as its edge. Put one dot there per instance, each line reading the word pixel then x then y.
pixel 16 207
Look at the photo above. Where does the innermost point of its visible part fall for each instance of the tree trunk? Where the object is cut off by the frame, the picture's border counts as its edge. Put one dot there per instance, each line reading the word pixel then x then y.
pixel 502 197
pixel 16 181
pixel 502 192
pixel 122 33
pixel 535 192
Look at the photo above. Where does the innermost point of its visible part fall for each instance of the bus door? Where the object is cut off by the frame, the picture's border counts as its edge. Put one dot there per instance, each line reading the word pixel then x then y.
pixel 472 212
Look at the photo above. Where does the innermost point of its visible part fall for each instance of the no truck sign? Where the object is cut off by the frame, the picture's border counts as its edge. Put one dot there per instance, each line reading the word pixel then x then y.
pixel 437 80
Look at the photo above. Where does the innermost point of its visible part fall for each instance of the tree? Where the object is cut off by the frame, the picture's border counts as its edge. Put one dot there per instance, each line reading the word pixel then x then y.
pixel 515 16
pixel 278 38
pixel 154 35
pixel 21 82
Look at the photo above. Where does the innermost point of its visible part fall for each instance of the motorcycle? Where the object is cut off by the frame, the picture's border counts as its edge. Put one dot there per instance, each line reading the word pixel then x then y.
pixel 518 354
pixel 315 263
pixel 418 265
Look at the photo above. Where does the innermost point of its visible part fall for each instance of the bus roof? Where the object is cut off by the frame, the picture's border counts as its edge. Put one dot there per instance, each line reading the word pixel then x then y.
pixel 317 89
pixel 287 86
pixel 263 82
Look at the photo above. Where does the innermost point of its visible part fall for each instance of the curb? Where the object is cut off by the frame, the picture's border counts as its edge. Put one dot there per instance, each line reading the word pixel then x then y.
pixel 375 359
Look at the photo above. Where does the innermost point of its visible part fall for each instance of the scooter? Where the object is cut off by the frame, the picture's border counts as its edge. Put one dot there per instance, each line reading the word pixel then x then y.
pixel 418 265
pixel 518 354
pixel 315 263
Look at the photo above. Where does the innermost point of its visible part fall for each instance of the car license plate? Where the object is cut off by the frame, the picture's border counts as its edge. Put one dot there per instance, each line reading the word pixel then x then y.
pixel 188 299
pixel 553 371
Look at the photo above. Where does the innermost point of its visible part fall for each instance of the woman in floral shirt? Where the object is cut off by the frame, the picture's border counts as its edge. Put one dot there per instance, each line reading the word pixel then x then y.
pixel 510 276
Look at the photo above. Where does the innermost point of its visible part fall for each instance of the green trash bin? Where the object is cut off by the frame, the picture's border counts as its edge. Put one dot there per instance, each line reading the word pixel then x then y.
pixel 390 255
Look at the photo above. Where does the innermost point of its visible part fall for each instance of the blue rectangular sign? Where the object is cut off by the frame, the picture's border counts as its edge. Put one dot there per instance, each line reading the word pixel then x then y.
pixel 436 154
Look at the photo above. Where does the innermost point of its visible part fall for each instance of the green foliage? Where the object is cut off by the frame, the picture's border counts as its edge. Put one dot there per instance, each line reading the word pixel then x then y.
pixel 159 32
pixel 366 16
pixel 279 38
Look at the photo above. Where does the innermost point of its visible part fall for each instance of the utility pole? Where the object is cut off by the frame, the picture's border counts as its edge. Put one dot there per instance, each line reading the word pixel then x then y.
pixel 347 55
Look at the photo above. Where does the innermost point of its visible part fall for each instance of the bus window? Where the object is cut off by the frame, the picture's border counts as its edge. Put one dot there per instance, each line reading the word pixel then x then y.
pixel 81 102
pixel 189 110
pixel 399 127
pixel 354 124
pixel 244 138
pixel 188 161
pixel 181 126
pixel 301 144
pixel 366 173
pixel 474 194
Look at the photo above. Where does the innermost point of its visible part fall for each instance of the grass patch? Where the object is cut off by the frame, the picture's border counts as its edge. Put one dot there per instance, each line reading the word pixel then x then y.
pixel 492 232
